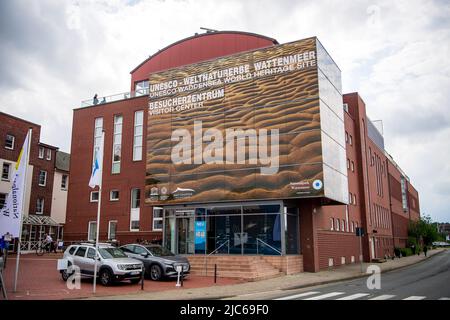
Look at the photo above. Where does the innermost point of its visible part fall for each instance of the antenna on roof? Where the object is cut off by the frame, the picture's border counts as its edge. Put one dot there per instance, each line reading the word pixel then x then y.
pixel 208 30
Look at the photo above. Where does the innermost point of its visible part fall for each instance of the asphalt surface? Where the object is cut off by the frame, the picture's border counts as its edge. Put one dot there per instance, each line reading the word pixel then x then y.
pixel 427 280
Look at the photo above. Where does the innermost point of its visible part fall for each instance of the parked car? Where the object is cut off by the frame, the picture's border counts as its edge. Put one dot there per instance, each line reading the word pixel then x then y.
pixel 441 244
pixel 112 263
pixel 158 261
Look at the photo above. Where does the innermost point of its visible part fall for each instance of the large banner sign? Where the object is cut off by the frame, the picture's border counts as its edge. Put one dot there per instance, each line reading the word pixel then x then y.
pixel 240 127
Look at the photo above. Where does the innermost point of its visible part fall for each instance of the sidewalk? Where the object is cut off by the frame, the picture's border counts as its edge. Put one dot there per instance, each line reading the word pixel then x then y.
pixel 275 284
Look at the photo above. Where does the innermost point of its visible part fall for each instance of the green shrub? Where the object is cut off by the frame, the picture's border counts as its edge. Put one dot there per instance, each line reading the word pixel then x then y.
pixel 406 252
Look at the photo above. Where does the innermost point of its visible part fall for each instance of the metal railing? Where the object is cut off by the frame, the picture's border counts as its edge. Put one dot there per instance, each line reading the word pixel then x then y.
pixel 217 249
pixel 266 244
pixel 114 97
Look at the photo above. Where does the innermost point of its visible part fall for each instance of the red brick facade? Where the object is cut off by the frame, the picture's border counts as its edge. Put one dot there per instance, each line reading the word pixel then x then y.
pixel 327 232
pixel 19 129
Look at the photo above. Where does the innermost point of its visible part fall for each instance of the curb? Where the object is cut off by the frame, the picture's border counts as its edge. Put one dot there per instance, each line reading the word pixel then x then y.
pixel 357 276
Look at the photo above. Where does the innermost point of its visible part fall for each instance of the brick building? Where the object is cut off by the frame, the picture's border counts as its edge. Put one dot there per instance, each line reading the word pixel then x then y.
pixel 319 231
pixel 41 192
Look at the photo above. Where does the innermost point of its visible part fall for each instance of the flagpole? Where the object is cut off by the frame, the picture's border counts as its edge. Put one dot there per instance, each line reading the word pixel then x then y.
pixel 98 214
pixel 30 131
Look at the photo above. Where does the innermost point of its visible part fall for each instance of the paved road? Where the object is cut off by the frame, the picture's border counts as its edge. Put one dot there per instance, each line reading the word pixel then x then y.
pixel 428 280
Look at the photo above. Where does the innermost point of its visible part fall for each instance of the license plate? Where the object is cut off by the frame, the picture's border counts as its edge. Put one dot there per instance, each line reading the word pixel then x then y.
pixel 134 273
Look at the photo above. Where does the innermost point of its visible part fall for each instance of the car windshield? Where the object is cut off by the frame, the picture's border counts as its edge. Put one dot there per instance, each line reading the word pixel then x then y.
pixel 159 251
pixel 110 253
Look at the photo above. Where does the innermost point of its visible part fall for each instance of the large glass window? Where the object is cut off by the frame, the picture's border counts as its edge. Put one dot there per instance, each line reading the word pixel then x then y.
pixel 138 134
pixel 135 209
pixel 92 231
pixel 42 178
pixel 98 129
pixel 117 143
pixel 157 219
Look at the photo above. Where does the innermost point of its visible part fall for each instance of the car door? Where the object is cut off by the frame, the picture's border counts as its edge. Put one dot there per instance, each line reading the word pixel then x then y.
pixel 90 261
pixel 79 259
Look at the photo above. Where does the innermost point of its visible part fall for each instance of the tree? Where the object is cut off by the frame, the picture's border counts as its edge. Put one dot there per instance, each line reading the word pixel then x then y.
pixel 423 230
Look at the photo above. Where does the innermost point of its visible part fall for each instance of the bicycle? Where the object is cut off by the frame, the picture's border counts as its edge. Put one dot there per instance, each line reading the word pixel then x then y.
pixel 42 248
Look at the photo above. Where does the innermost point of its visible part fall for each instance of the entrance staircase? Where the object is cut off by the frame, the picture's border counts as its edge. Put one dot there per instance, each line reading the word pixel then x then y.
pixel 249 268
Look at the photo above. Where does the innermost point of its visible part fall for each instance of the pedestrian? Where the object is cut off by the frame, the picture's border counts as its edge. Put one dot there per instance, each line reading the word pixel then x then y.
pixel 95 100
pixel 49 241
pixel 7 238
pixel 425 249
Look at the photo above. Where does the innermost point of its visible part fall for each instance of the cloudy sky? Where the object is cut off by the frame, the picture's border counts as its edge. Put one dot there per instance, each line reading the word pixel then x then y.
pixel 55 53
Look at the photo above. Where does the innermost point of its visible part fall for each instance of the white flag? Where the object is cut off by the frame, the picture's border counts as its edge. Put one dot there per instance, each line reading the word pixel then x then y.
pixel 97 165
pixel 10 214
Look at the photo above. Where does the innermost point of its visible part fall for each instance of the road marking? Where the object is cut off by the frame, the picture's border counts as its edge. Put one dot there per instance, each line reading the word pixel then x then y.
pixel 383 297
pixel 324 296
pixel 415 298
pixel 304 294
pixel 354 296
pixel 444 298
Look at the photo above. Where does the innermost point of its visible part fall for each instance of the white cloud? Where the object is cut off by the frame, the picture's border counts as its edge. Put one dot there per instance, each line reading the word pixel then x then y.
pixel 396 54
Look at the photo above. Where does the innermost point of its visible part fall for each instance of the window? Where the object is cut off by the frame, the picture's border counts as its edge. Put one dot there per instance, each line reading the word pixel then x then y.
pixel 350 139
pixel 6 171
pixel 9 142
pixel 98 129
pixel 135 211
pixel 42 178
pixel 353 226
pixel 112 227
pixel 138 134
pixel 92 231
pixel 41 152
pixel 114 195
pixel 331 224
pixel 337 224
pixel 346 107
pixel 91 253
pixel 354 199
pixel 81 251
pixel 64 181
pixel 117 144
pixel 346 136
pixel 141 88
pixel 72 250
pixel 343 225
pixel 350 197
pixel 2 199
pixel 157 219
pixel 94 196
pixel 49 154
pixel 348 164
pixel 39 205
pixel 353 166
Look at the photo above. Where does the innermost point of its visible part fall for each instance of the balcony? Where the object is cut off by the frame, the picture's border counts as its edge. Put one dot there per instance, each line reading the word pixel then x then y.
pixel 114 98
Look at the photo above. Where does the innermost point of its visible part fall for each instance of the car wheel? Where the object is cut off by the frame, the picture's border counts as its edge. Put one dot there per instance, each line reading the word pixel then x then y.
pixel 155 272
pixel 66 275
pixel 106 277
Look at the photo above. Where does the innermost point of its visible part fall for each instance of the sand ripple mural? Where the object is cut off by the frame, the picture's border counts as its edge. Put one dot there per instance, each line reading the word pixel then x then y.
pixel 271 95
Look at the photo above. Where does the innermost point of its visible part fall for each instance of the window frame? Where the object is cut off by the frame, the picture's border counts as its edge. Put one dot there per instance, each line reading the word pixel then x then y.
pixel 48 156
pixel 9 171
pixel 111 194
pixel 90 198
pixel 115 166
pixel 41 205
pixel 45 179
pixel 65 182
pixel 154 219
pixel 41 154
pixel 13 142
pixel 89 230
pixel 138 136
pixel 109 230
pixel 136 208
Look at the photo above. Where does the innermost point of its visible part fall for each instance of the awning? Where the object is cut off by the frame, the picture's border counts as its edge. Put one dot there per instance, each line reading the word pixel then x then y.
pixel 40 220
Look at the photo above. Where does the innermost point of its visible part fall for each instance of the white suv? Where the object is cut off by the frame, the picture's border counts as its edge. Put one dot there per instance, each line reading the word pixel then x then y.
pixel 112 264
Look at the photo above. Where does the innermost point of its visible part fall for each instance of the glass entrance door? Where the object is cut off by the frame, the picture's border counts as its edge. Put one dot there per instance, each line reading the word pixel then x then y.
pixel 185 233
